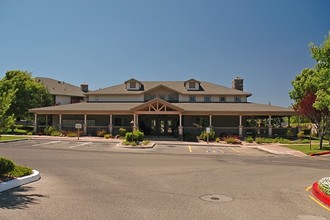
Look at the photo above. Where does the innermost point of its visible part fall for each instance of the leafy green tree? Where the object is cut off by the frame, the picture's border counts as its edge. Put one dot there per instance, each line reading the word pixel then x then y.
pixel 6 121
pixel 311 89
pixel 29 93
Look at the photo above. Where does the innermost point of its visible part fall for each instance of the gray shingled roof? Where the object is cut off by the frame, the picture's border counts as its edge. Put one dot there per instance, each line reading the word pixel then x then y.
pixel 206 89
pixel 56 87
pixel 188 108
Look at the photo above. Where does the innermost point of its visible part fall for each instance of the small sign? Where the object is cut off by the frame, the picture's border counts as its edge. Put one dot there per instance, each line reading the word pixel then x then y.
pixel 208 130
pixel 78 126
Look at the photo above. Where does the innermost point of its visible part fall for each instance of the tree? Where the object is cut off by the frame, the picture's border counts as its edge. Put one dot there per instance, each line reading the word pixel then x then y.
pixel 311 89
pixel 6 121
pixel 29 93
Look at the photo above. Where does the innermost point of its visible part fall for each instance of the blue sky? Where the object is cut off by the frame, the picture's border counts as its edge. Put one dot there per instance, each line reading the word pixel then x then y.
pixel 105 42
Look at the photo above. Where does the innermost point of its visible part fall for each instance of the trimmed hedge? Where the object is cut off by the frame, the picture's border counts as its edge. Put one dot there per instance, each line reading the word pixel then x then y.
pixel 6 166
pixel 137 136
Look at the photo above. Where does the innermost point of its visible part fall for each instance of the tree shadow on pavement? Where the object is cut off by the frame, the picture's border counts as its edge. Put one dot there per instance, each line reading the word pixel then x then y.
pixel 19 198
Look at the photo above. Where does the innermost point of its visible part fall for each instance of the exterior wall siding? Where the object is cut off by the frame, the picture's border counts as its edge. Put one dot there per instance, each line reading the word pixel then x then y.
pixel 117 98
pixel 62 100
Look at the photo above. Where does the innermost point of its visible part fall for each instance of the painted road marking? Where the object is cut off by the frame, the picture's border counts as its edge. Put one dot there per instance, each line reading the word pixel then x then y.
pixel 190 150
pixel 308 188
pixel 319 203
pixel 235 150
pixel 82 144
pixel 51 142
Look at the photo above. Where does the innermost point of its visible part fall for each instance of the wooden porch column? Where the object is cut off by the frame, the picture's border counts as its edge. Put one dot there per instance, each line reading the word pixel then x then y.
pixel 210 123
pixel 47 120
pixel 110 124
pixel 35 124
pixel 134 122
pixel 85 124
pixel 240 127
pixel 180 129
pixel 270 127
pixel 60 122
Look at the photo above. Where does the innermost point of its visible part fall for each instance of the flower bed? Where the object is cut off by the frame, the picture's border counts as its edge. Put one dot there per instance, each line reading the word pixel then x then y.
pixel 320 190
pixel 324 185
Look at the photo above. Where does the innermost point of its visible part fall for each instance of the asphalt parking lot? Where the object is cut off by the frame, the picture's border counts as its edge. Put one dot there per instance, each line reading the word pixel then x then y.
pixel 94 180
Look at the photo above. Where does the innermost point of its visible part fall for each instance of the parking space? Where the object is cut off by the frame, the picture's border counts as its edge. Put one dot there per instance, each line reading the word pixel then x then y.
pixel 167 148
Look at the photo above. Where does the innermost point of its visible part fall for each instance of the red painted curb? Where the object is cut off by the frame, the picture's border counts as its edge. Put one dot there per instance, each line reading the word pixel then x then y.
pixel 319 154
pixel 320 195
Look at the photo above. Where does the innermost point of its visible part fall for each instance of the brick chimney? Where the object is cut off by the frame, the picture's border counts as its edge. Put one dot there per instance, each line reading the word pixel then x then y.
pixel 84 87
pixel 237 84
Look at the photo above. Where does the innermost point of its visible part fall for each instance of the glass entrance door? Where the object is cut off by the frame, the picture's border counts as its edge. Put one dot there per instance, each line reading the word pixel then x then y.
pixel 162 126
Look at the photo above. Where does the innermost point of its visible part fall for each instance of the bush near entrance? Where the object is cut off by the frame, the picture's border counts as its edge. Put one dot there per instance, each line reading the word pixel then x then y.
pixel 9 170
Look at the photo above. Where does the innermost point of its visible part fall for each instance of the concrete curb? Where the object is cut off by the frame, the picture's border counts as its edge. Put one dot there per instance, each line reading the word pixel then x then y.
pixel 320 154
pixel 20 181
pixel 320 195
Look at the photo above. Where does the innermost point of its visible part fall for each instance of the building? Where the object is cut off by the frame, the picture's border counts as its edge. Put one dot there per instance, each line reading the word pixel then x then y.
pixel 169 108
pixel 64 93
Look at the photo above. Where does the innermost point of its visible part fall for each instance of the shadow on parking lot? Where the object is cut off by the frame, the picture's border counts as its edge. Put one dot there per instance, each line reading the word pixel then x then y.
pixel 19 198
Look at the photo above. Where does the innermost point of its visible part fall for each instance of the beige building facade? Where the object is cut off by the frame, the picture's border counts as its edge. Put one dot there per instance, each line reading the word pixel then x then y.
pixel 179 109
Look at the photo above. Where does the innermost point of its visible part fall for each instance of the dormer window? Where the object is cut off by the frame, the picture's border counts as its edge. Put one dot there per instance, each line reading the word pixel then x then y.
pixel 192 85
pixel 133 84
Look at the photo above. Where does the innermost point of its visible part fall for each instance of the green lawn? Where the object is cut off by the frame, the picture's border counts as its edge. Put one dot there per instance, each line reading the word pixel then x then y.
pixel 9 138
pixel 305 148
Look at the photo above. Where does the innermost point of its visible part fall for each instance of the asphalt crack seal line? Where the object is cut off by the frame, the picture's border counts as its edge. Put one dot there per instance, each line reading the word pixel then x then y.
pixel 216 198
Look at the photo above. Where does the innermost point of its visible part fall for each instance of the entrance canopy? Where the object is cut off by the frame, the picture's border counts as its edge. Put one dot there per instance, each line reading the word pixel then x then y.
pixel 157 106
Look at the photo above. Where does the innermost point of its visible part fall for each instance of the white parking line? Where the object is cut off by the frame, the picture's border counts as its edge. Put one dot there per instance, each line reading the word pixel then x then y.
pixel 82 144
pixel 51 142
pixel 235 150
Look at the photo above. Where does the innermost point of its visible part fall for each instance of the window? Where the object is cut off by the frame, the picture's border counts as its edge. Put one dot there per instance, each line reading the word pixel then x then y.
pixel 222 99
pixel 148 97
pixel 192 98
pixel 237 99
pixel 191 85
pixel 132 85
pixel 122 121
pixel 161 96
pixel 207 98
pixel 200 121
pixel 172 97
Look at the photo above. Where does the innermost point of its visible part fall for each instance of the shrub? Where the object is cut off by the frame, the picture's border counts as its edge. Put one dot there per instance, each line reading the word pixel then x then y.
pixel 101 133
pixel 135 136
pixel 21 171
pixel 126 142
pixel 107 136
pixel 249 139
pixel 203 135
pixel 301 134
pixel 233 140
pixel 48 130
pixel 6 166
pixel 283 141
pixel 122 132
pixel 260 140
pixel 146 142
pixel 71 134
pixel 133 143
pixel 217 140
pixel 55 133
